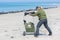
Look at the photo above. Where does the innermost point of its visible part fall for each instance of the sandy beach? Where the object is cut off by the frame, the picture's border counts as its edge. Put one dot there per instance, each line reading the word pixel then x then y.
pixel 12 26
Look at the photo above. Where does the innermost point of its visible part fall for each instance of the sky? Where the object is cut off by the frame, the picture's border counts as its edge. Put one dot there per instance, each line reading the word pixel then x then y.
pixel 29 0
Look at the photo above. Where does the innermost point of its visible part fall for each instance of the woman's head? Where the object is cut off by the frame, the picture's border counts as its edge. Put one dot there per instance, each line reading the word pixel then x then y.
pixel 38 8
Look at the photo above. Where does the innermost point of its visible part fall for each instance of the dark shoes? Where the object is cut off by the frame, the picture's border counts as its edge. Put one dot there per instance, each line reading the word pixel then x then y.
pixel 36 35
pixel 50 34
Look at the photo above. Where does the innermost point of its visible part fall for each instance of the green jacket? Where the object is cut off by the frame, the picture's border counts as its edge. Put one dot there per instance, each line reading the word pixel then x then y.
pixel 41 14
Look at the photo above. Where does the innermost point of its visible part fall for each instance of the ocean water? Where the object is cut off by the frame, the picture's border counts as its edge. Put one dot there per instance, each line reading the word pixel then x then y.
pixel 13 6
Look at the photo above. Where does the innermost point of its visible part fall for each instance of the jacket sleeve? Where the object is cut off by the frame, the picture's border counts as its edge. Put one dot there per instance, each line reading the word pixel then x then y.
pixel 34 14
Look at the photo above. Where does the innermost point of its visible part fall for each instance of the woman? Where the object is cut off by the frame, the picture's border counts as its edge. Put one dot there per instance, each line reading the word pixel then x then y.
pixel 42 20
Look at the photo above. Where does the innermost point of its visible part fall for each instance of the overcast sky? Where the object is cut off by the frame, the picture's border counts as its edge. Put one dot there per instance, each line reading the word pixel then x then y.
pixel 29 0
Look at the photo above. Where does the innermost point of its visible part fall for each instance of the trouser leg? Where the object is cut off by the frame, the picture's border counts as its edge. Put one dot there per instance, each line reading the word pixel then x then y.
pixel 37 27
pixel 46 26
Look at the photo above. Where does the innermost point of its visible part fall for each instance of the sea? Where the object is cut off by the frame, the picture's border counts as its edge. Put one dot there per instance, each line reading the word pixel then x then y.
pixel 18 6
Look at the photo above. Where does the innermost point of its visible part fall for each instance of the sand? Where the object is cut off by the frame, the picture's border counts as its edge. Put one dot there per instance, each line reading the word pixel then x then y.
pixel 12 26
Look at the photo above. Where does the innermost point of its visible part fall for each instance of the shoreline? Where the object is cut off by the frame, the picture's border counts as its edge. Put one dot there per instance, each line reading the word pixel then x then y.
pixel 26 10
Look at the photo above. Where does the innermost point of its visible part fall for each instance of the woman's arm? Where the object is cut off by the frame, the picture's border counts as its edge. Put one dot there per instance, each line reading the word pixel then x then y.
pixel 35 14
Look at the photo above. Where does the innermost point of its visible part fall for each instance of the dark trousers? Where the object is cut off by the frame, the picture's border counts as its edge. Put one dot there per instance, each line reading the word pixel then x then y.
pixel 43 21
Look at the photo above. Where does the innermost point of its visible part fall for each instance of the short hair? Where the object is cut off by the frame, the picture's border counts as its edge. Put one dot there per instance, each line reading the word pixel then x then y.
pixel 38 7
